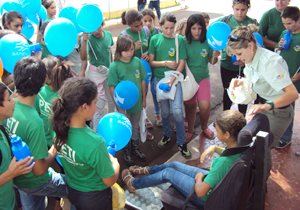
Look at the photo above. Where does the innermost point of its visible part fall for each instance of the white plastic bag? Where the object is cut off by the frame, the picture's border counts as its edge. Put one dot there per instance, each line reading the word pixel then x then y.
pixel 160 94
pixel 143 125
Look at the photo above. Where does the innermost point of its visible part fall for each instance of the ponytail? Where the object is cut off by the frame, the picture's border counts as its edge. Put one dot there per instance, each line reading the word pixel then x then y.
pixel 59 74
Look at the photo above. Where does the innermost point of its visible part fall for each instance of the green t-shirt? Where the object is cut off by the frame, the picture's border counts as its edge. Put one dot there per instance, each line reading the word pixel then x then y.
pixel 133 71
pixel 136 37
pixel 271 26
pixel 154 31
pixel 45 52
pixel 7 194
pixel 48 19
pixel 218 169
pixel 164 48
pixel 292 56
pixel 27 124
pixel 198 55
pixel 85 160
pixel 102 49
pixel 42 105
pixel 226 61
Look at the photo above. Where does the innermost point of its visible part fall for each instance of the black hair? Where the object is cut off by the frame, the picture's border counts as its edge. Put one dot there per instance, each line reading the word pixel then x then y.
pixel 3 88
pixel 29 76
pixel 192 20
pixel 43 27
pixel 148 12
pixel 74 93
pixel 245 2
pixel 291 12
pixel 8 17
pixel 131 16
pixel 47 3
pixel 168 16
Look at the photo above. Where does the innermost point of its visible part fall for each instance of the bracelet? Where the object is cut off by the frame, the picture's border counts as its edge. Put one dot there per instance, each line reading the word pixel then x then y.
pixel 165 64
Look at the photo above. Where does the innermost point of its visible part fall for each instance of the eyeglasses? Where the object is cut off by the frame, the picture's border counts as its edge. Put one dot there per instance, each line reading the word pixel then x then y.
pixel 245 2
pixel 236 38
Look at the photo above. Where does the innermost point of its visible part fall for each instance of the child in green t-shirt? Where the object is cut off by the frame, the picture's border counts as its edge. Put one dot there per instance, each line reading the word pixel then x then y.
pixel 162 55
pixel 128 67
pixel 199 54
pixel 29 77
pixel 57 73
pixel 291 21
pixel 9 167
pixel 90 170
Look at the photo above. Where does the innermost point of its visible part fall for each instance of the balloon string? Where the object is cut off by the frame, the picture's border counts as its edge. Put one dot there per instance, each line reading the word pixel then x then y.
pixel 142 43
pixel 6 87
pixel 92 49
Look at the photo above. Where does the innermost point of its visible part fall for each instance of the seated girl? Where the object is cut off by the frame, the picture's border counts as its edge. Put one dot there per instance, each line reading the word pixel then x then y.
pixel 228 124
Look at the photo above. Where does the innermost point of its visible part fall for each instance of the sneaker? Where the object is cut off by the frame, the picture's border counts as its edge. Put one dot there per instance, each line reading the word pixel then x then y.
pixel 283 144
pixel 163 142
pixel 184 151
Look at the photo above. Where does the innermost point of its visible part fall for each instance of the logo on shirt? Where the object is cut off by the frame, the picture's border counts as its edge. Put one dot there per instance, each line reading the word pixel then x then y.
pixel 279 76
pixel 233 95
pixel 203 53
pixel 137 74
pixel 68 154
pixel 172 52
pixel 145 42
pixel 297 48
pixel 108 49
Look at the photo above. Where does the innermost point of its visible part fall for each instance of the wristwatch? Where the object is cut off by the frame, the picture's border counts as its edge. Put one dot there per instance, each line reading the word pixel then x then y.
pixel 271 103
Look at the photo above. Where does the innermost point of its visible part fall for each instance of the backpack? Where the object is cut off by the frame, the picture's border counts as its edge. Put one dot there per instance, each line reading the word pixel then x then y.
pixel 158 29
pixel 146 29
pixel 226 19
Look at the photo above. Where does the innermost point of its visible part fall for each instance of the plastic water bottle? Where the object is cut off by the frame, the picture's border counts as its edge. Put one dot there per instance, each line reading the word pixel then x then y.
pixel 287 38
pixel 35 47
pixel 20 149
pixel 111 148
pixel 164 87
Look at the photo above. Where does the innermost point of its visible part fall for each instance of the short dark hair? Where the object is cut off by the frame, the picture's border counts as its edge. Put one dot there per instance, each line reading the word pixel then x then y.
pixel 291 12
pixel 29 76
pixel 3 88
pixel 192 20
pixel 131 16
pixel 168 16
pixel 47 3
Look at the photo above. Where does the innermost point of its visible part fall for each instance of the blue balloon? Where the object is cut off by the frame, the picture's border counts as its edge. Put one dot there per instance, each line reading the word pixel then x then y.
pixel 89 18
pixel 259 39
pixel 42 13
pixel 148 71
pixel 70 13
pixel 116 129
pixel 12 48
pixel 217 35
pixel 30 6
pixel 12 6
pixel 126 94
pixel 33 18
pixel 60 37
pixel 27 29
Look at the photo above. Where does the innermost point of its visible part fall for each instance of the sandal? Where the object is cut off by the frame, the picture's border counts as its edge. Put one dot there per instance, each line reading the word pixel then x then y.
pixel 185 127
pixel 209 133
pixel 158 120
pixel 128 180
pixel 149 123
pixel 188 136
pixel 139 170
pixel 149 136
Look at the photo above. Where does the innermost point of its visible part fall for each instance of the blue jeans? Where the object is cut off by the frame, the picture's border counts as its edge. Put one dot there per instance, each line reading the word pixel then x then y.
pixel 180 175
pixel 141 7
pixel 34 199
pixel 155 102
pixel 156 5
pixel 177 110
pixel 287 136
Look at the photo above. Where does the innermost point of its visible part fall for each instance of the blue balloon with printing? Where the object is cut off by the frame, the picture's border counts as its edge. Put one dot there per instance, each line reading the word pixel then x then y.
pixel 31 6
pixel 217 35
pixel 12 48
pixel 148 71
pixel 126 94
pixel 116 130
